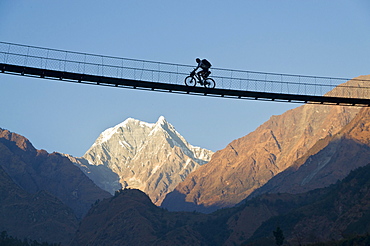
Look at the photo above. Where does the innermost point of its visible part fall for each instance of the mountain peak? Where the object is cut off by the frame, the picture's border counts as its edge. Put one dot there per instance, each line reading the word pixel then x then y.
pixel 125 125
pixel 161 120
pixel 132 121
pixel 152 157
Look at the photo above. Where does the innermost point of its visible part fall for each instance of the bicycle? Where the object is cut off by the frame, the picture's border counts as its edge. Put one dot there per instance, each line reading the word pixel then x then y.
pixel 195 78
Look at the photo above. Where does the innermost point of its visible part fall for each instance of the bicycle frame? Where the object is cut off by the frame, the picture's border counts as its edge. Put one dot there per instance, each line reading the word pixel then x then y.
pixel 199 79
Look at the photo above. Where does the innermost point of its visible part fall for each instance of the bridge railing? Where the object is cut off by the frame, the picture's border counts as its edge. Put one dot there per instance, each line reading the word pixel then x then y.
pixel 160 72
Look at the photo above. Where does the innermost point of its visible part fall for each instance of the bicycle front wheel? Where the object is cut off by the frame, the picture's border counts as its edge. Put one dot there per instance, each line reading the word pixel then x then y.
pixel 209 83
pixel 190 81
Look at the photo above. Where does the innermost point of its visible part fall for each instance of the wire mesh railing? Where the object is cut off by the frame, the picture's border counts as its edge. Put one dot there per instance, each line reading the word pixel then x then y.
pixel 160 72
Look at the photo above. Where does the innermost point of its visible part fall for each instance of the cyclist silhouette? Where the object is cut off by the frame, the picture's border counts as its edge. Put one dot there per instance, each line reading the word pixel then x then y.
pixel 201 77
pixel 204 65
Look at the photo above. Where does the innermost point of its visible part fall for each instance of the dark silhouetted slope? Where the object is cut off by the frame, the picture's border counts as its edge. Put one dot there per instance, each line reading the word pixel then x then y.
pixel 39 216
pixel 36 170
pixel 335 212
pixel 130 218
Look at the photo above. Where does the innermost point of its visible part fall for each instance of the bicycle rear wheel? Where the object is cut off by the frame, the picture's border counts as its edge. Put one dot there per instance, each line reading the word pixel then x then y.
pixel 209 83
pixel 190 81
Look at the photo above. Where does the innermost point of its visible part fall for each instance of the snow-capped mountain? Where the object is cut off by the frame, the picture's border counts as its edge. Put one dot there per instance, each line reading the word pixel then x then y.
pixel 151 157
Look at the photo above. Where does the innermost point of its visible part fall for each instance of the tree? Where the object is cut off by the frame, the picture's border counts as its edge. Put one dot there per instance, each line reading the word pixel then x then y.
pixel 279 236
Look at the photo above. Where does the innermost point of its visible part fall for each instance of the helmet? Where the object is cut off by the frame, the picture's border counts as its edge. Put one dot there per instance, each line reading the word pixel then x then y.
pixel 197 60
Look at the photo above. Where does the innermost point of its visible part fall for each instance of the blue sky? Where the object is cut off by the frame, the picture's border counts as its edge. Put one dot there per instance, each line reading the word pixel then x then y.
pixel 316 37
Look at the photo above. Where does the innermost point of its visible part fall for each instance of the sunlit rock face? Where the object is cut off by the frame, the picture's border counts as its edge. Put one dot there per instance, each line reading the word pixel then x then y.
pixel 151 157
pixel 249 162
pixel 329 160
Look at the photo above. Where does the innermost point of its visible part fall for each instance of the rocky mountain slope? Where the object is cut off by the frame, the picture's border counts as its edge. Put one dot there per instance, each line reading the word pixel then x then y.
pixel 38 216
pixel 151 157
pixel 329 213
pixel 329 160
pixel 248 163
pixel 36 170
pixel 130 218
pixel 324 214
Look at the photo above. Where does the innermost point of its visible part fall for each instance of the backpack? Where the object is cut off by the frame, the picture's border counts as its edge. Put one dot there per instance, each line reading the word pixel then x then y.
pixel 206 63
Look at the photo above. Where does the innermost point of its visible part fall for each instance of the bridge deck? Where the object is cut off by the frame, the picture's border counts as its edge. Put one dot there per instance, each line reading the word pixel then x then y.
pixel 146 75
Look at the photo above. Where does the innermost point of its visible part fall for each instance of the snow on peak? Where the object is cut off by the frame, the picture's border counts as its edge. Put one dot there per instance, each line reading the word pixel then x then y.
pixel 135 121
pixel 161 120
pixel 161 126
pixel 131 135
pixel 108 133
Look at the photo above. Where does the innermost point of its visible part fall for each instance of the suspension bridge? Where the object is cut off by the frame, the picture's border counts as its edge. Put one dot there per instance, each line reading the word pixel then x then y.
pixel 61 65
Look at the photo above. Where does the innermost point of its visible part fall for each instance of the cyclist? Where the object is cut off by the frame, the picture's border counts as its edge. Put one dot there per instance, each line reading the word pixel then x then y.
pixel 204 65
